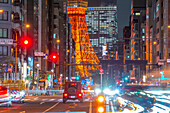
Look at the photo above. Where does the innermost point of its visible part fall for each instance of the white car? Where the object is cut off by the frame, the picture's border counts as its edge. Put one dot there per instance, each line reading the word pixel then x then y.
pixel 17 96
pixel 5 98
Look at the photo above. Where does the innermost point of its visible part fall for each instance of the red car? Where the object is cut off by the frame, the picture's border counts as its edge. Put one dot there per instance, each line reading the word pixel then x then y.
pixel 73 91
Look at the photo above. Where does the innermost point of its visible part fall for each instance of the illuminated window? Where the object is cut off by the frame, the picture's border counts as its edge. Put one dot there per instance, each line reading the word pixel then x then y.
pixel 3 33
pixel 3 50
pixel 3 1
pixel 4 16
pixel 137 14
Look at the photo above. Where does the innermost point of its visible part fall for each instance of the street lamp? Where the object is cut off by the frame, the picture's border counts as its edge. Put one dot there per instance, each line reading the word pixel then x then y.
pixel 16 39
pixel 27 26
pixel 154 43
pixel 58 41
pixel 1 10
pixel 169 26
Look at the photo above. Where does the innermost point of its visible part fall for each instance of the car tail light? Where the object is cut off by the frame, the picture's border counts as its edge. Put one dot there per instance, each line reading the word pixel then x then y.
pixel 72 84
pixel 65 94
pixel 80 95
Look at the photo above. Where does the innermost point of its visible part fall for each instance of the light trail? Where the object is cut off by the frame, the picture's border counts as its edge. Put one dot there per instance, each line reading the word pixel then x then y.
pixel 162 106
pixel 158 92
pixel 157 110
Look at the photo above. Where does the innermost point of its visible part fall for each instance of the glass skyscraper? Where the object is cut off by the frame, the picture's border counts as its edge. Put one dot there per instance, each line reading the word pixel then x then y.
pixel 102 28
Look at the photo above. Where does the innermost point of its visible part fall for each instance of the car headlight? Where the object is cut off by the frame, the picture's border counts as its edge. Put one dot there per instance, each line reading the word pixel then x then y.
pixel 116 91
pixel 97 91
pixel 107 91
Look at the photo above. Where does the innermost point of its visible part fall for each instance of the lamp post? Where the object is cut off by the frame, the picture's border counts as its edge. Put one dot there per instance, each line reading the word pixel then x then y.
pixel 16 39
pixel 37 75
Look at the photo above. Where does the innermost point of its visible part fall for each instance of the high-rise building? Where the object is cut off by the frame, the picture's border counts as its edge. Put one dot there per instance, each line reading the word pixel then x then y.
pixel 11 22
pixel 157 31
pixel 126 37
pixel 138 17
pixel 102 26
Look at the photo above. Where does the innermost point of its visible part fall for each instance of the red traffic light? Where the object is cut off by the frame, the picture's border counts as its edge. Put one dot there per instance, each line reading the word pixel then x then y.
pixel 117 82
pixel 26 42
pixel 54 57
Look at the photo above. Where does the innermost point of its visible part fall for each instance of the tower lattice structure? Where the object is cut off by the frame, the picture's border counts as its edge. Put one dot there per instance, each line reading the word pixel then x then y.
pixel 84 52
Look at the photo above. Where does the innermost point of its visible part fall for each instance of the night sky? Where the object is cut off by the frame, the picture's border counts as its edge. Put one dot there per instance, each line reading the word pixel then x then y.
pixel 123 15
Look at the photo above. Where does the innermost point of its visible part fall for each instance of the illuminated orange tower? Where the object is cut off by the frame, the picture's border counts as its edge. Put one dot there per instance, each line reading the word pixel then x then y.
pixel 84 53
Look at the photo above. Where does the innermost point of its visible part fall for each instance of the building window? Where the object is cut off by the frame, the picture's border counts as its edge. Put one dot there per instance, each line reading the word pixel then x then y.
pixel 3 33
pixel 4 16
pixel 3 1
pixel 3 50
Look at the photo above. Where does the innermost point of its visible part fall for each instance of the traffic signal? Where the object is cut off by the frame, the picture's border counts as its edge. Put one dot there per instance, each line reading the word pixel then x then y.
pixel 100 104
pixel 77 78
pixel 117 82
pixel 88 88
pixel 126 78
pixel 54 57
pixel 26 42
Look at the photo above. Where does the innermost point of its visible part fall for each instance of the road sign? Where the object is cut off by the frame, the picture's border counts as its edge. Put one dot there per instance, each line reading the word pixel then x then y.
pixel 132 77
pixel 38 53
pixel 168 60
pixel 73 77
pixel 55 81
pixel 161 62
pixel 6 41
pixel 101 70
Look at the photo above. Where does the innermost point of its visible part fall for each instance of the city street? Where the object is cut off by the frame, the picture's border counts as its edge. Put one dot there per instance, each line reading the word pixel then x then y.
pixel 84 56
pixel 51 104
pixel 43 104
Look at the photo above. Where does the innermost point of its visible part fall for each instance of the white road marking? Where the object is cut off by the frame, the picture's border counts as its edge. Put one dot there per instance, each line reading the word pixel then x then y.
pixel 51 107
pixel 42 102
pixel 51 99
pixel 44 99
pixel 27 99
pixel 36 98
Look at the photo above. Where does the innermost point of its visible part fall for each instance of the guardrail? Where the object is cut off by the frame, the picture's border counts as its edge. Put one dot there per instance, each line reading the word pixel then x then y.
pixel 43 92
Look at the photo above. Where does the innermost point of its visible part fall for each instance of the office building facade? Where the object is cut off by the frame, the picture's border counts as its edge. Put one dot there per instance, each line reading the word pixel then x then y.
pixel 11 20
pixel 102 28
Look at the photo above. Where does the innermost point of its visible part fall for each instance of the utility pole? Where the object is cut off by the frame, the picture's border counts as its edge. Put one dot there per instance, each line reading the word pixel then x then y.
pixel 16 39
pixel 33 70
pixel 39 30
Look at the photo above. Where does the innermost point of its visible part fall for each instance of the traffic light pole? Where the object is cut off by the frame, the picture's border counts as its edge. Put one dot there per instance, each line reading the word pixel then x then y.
pixel 101 80
pixel 33 71
pixel 16 39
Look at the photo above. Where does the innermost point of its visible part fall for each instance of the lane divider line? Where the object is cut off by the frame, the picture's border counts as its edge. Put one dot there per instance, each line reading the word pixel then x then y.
pixel 42 102
pixel 51 107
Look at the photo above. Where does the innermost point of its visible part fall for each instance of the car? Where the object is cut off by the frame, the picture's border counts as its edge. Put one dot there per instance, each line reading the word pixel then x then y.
pixel 73 91
pixel 5 98
pixel 17 96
